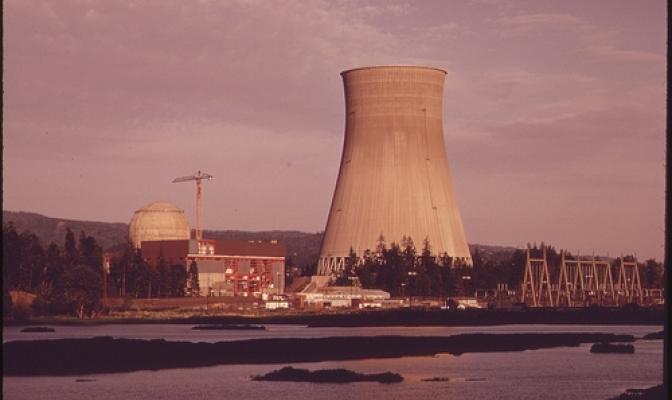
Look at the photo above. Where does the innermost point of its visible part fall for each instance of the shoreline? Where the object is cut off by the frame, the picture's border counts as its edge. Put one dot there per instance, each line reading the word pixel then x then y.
pixel 107 355
pixel 397 317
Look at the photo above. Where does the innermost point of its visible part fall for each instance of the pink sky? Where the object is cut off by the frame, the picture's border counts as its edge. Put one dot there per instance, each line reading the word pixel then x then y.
pixel 554 113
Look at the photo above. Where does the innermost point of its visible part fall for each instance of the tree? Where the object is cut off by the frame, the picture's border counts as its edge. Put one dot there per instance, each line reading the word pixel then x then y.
pixel 50 293
pixel 350 263
pixel 652 274
pixel 136 277
pixel 289 270
pixel 192 279
pixel 430 279
pixel 71 255
pixel 178 280
pixel 367 272
pixel 408 275
pixel 452 282
pixel 11 258
pixel 32 261
pixel 90 253
pixel 22 260
pixel 152 276
pixel 82 288
pixel 164 288
pixel 515 268
pixel 391 272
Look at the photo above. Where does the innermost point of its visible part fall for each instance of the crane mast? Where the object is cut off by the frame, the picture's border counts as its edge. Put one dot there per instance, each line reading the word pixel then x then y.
pixel 198 177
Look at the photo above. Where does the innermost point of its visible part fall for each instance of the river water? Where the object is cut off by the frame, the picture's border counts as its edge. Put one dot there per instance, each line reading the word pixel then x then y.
pixel 559 373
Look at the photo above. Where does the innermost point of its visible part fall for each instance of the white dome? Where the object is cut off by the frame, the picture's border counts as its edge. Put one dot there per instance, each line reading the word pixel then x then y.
pixel 160 220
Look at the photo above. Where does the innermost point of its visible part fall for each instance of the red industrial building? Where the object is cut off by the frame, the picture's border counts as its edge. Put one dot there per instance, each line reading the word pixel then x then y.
pixel 225 267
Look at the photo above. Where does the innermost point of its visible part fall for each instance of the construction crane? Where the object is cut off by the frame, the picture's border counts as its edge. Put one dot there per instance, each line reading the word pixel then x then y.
pixel 198 177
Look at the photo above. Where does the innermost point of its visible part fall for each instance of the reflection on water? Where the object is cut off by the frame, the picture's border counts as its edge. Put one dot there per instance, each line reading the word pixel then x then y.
pixel 561 373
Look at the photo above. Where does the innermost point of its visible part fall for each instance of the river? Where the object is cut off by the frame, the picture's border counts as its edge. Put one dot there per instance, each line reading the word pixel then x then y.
pixel 559 373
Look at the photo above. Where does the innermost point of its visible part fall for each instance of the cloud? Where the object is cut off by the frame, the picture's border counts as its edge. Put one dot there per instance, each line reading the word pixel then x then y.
pixel 525 23
pixel 612 54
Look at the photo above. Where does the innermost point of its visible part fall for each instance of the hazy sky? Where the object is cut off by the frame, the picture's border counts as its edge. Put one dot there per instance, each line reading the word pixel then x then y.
pixel 553 119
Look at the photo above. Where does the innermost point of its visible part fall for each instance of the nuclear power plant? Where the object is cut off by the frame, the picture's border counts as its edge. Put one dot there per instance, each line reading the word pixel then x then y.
pixel 394 178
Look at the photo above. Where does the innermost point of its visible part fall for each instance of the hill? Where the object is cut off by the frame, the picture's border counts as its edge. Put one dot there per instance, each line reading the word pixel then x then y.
pixel 49 229
pixel 302 247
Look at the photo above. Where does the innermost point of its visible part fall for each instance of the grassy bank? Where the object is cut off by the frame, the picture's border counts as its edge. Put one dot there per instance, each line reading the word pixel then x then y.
pixel 396 317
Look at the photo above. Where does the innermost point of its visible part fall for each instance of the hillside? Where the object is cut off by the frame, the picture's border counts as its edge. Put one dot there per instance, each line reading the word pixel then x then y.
pixel 302 247
pixel 49 229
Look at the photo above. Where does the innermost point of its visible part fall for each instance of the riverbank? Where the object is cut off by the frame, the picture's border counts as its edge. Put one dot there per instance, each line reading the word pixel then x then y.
pixel 108 355
pixel 370 318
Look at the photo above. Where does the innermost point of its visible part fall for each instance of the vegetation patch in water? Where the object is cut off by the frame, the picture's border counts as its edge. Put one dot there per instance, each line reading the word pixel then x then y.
pixel 655 336
pixel 652 393
pixel 230 327
pixel 59 357
pixel 612 348
pixel 327 376
pixel 437 379
pixel 38 329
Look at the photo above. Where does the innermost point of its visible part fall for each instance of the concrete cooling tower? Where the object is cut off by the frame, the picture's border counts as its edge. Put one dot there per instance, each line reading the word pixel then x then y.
pixel 394 178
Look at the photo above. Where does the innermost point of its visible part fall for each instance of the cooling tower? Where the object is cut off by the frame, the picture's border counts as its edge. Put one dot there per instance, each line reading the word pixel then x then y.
pixel 394 178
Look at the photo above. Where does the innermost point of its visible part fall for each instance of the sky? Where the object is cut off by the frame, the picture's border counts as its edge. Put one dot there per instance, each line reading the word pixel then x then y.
pixel 554 111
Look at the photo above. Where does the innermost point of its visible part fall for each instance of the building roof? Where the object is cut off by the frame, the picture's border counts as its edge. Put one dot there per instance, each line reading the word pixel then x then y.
pixel 249 248
pixel 177 250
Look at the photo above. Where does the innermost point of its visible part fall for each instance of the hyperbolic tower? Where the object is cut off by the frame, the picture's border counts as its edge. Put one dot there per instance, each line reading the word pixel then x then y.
pixel 394 179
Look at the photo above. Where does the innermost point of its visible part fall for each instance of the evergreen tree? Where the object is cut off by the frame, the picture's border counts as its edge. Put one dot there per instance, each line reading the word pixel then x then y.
pixel 380 250
pixel 164 282
pixel 138 279
pixel 408 273
pixel 192 279
pixel 428 278
pixel 50 293
pixel 652 274
pixel 32 261
pixel 71 255
pixel 11 258
pixel 178 280
pixel 367 272
pixel 82 288
pixel 392 273
pixel 452 282
pixel 351 262
pixel 119 268
pixel 90 252
pixel 153 283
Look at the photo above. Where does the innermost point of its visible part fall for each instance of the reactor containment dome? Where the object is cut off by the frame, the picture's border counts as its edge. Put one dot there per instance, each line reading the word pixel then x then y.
pixel 160 220
pixel 394 179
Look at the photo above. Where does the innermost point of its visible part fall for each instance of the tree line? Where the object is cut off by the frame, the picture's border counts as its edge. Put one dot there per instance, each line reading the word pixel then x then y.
pixel 131 276
pixel 65 280
pixel 71 279
pixel 403 271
